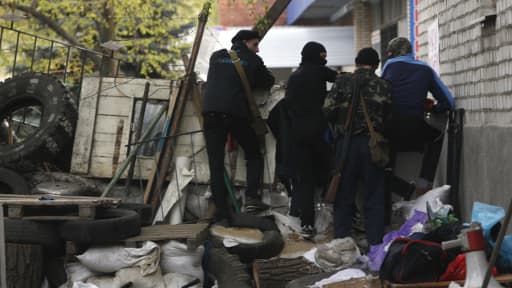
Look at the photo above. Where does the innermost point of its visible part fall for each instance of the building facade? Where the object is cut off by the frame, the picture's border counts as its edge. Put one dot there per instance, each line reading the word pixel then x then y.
pixel 475 61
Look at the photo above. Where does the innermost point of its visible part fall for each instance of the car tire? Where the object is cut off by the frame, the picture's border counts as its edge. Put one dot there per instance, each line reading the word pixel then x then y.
pixel 32 232
pixel 145 211
pixel 110 225
pixel 271 245
pixel 53 141
pixel 227 269
pixel 12 183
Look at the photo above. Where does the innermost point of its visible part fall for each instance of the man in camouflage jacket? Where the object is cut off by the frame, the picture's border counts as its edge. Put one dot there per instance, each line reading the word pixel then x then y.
pixel 377 96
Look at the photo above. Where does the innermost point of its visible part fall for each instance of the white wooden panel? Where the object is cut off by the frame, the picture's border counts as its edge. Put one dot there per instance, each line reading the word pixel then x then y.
pixel 85 126
pixel 108 124
pixel 115 106
pixel 134 88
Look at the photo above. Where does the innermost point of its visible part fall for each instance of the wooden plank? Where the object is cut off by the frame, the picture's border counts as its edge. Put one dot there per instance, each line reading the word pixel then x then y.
pixel 195 234
pixel 152 177
pixel 12 199
pixel 117 146
pixel 85 126
pixel 24 265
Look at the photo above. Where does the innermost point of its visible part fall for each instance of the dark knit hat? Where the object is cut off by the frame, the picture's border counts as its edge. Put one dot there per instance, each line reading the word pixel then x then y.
pixel 399 46
pixel 244 35
pixel 311 53
pixel 367 56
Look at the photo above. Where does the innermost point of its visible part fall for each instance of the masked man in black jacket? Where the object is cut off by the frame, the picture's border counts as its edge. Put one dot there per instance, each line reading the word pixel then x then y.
pixel 225 110
pixel 305 95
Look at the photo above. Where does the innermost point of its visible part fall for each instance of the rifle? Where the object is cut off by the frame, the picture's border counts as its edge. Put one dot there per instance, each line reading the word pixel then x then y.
pixel 335 181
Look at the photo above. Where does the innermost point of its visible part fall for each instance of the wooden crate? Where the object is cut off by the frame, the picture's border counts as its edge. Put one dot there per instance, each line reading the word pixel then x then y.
pixel 44 208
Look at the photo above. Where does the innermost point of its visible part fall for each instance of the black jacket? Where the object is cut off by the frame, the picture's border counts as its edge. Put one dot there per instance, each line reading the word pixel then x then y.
pixel 224 90
pixel 305 95
pixel 306 89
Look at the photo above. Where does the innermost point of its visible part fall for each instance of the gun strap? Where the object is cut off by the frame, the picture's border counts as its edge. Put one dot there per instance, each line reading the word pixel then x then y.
pixel 253 107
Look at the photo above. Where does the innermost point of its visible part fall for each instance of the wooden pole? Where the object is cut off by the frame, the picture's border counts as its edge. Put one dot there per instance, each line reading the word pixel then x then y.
pixel 152 194
pixel 266 22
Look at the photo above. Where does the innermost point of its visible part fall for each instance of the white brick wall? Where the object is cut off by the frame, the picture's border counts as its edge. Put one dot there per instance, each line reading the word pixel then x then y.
pixel 475 60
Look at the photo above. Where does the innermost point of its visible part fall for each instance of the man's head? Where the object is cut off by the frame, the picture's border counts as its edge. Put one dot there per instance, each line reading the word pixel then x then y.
pixel 250 38
pixel 368 57
pixel 314 53
pixel 398 46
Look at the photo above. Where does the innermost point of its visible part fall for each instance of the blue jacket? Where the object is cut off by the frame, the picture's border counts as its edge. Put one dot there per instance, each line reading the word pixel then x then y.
pixel 411 80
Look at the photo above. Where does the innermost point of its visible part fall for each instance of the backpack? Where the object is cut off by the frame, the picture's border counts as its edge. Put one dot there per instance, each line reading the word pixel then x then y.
pixel 412 261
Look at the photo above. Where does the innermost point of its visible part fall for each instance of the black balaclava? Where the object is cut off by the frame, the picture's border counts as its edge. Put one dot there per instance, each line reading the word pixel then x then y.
pixel 311 54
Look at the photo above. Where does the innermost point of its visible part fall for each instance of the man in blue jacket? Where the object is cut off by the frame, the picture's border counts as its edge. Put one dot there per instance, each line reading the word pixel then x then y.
pixel 411 80
pixel 225 110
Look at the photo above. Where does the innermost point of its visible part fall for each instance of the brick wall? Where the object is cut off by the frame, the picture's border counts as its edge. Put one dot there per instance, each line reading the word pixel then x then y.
pixel 476 65
pixel 362 24
pixel 238 13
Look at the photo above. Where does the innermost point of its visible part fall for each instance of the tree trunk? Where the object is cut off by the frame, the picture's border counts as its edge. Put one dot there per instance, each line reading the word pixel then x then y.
pixel 24 265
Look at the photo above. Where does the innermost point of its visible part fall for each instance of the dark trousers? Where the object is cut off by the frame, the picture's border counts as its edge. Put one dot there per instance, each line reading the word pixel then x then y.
pixel 312 162
pixel 359 166
pixel 414 134
pixel 216 128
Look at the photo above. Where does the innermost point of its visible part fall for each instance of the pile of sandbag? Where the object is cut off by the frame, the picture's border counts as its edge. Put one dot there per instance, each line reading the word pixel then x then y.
pixel 170 265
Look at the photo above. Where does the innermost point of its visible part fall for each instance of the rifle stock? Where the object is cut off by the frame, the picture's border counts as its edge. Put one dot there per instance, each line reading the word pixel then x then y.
pixel 330 195
pixel 334 183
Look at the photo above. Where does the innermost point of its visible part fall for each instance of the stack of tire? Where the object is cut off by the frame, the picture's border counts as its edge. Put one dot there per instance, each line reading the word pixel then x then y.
pixel 53 142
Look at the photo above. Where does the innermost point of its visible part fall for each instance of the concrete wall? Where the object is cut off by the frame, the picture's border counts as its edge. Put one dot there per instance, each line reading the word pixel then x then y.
pixel 476 64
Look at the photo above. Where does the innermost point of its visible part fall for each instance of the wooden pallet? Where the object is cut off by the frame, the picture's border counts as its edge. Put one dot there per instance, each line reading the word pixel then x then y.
pixel 44 208
pixel 194 234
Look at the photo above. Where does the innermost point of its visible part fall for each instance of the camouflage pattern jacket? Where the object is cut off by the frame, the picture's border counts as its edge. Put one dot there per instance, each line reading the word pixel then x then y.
pixel 377 96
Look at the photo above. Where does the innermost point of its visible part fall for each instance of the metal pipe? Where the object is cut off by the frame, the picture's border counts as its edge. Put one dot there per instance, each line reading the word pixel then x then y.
pixel 33 54
pixel 128 159
pixel 138 131
pixel 50 58
pixel 66 65
pixel 3 266
pixel 15 54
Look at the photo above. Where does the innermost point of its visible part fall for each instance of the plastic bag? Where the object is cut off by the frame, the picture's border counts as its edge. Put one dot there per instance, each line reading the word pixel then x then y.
pixel 176 258
pixel 487 215
pixel 377 254
pixel 113 258
pixel 456 270
pixel 323 217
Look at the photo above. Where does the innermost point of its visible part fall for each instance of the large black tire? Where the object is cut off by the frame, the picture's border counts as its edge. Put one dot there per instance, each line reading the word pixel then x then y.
pixel 145 211
pixel 12 183
pixel 227 269
pixel 53 141
pixel 110 225
pixel 271 245
pixel 32 232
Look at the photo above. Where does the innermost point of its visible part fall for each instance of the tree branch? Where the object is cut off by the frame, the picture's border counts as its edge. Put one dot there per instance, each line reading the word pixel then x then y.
pixel 56 28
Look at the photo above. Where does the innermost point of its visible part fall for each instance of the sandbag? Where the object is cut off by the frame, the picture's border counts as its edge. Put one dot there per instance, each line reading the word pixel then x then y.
pixel 113 258
pixel 178 280
pixel 176 258
pixel 77 272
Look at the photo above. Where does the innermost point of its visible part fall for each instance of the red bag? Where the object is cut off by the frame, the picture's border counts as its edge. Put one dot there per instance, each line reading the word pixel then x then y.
pixel 456 270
